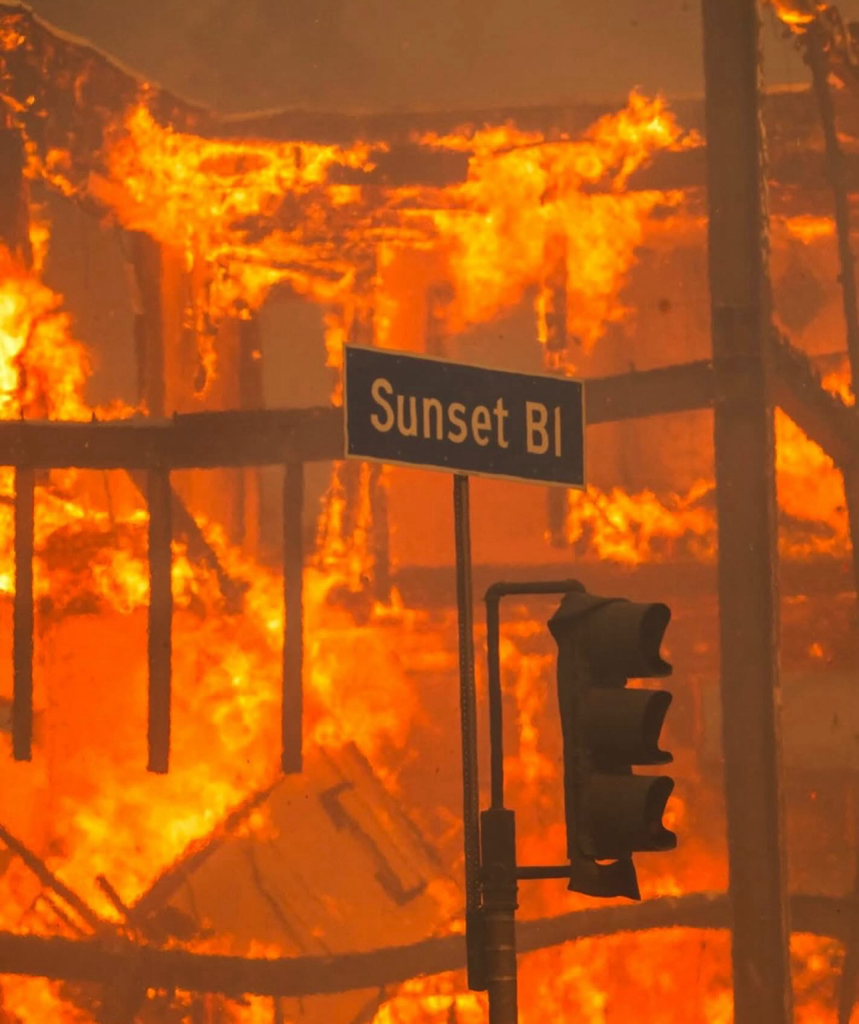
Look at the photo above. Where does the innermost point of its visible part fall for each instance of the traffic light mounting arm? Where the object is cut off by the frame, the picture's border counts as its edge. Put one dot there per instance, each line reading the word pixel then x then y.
pixel 493 657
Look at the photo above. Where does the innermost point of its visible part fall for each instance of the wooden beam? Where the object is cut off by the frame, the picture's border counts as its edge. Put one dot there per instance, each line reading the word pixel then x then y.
pixel 23 616
pixel 267 437
pixel 746 509
pixel 264 437
pixel 628 396
pixel 292 707
pixel 160 632
pixel 102 961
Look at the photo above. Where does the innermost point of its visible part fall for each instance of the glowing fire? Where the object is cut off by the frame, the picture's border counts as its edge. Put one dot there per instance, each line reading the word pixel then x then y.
pixel 256 214
pixel 798 13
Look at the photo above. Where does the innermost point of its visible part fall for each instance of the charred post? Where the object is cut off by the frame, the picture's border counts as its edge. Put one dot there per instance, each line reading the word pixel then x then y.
pixel 23 616
pixel 148 328
pixel 817 58
pixel 293 610
pixel 250 397
pixel 14 205
pixel 160 498
pixel 745 483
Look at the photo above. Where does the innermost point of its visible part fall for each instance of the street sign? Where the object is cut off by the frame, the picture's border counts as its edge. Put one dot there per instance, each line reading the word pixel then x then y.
pixel 413 411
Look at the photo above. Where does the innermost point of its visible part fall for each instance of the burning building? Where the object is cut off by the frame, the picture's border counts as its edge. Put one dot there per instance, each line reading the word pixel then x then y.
pixel 194 582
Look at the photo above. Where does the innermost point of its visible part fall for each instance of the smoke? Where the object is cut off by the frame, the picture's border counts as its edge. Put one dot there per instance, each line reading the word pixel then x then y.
pixel 386 54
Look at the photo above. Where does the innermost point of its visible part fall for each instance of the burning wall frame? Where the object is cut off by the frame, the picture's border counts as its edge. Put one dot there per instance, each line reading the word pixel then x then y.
pixel 293 438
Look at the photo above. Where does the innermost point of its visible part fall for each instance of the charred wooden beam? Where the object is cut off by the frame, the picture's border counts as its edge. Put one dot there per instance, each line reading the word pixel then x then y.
pixel 166 969
pixel 160 633
pixel 263 437
pixel 251 396
pixel 746 509
pixel 292 707
pixel 48 879
pixel 14 205
pixel 23 616
pixel 186 441
pixel 642 393
pixel 819 58
pixel 199 549
pixel 148 326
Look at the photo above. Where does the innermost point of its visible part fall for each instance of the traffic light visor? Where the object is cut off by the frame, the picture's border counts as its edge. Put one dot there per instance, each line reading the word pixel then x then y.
pixel 625 815
pixel 621 638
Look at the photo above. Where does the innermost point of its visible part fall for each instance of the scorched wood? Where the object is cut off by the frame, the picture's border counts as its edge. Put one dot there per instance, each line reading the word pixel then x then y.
pixel 264 437
pixel 292 706
pixel 746 510
pixel 23 614
pixel 102 962
pixel 160 628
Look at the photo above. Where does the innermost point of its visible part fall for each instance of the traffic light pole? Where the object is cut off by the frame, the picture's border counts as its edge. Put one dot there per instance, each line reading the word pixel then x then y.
pixel 499 872
pixel 745 491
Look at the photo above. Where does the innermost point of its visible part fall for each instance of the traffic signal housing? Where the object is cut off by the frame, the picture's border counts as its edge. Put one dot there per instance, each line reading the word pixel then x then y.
pixel 607 729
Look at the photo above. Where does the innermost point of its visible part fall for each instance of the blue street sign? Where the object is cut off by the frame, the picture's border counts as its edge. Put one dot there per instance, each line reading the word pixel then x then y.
pixel 413 411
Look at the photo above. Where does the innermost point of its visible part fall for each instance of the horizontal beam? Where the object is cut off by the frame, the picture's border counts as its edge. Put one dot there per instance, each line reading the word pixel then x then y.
pixel 186 441
pixel 260 437
pixel 102 961
pixel 627 396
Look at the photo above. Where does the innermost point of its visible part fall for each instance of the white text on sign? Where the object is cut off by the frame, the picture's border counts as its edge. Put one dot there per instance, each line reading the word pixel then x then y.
pixel 429 418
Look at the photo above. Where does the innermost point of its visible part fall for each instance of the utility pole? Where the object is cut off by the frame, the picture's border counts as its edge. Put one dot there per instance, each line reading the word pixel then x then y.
pixel 745 488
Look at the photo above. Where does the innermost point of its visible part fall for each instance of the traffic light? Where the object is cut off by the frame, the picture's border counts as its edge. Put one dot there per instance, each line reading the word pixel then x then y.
pixel 607 728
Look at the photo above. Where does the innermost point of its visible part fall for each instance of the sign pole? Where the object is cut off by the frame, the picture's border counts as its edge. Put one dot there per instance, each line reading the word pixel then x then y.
pixel 468 717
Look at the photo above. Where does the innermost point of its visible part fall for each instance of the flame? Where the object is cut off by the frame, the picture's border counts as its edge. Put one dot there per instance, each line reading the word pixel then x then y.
pixel 253 215
pixel 523 191
pixel 227 667
pixel 635 528
pixel 798 13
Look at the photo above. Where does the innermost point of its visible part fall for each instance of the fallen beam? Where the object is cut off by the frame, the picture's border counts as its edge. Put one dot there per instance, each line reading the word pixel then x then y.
pixel 105 961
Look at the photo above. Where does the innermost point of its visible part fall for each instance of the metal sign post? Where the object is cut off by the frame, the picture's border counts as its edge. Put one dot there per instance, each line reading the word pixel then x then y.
pixel 468 719
pixel 413 411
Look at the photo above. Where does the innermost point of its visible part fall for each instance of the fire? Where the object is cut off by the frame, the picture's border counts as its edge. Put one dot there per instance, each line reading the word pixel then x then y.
pixel 798 13
pixel 523 192
pixel 634 528
pixel 249 216
pixel 226 666
pixel 254 215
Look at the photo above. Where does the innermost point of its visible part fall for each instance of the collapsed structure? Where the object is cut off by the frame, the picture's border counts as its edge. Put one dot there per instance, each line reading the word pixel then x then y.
pixel 411 233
